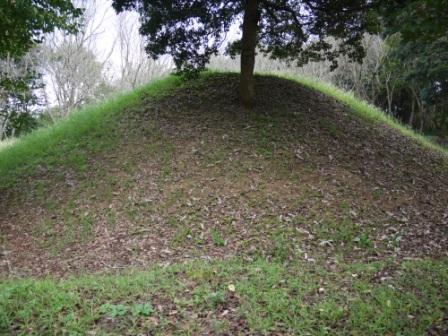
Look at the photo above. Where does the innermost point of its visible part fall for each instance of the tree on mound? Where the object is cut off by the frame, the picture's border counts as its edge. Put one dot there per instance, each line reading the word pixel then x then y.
pixel 295 30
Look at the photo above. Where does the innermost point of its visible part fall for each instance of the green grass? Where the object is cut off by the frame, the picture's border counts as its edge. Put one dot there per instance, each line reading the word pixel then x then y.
pixel 190 299
pixel 67 142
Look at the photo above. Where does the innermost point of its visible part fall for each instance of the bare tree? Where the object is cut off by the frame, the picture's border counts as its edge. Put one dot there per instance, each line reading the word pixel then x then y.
pixel 135 68
pixel 78 71
pixel 74 73
pixel 363 79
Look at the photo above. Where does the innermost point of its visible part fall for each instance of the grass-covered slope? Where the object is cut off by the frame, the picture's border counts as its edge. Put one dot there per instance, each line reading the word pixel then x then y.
pixel 71 139
pixel 304 216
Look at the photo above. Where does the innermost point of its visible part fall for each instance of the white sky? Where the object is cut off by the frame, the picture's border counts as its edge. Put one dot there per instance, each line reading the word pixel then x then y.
pixel 105 23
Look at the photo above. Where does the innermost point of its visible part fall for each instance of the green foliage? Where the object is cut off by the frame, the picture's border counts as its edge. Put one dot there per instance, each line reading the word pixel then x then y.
pixel 18 84
pixel 18 123
pixel 417 20
pixel 24 22
pixel 419 72
pixel 142 309
pixel 117 310
pixel 414 71
pixel 113 310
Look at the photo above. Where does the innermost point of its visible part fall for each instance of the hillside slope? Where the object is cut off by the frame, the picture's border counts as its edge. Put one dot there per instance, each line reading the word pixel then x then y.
pixel 299 197
pixel 191 175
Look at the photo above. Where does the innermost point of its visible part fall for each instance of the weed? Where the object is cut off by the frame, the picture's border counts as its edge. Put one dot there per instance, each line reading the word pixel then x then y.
pixel 363 240
pixel 111 217
pixel 215 298
pixel 217 238
pixel 180 236
pixel 142 309
pixel 376 194
pixel 283 246
pixel 221 327
pixel 113 310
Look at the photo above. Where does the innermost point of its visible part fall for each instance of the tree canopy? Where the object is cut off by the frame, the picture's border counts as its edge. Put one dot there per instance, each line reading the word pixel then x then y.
pixel 192 31
pixel 24 23
pixel 416 20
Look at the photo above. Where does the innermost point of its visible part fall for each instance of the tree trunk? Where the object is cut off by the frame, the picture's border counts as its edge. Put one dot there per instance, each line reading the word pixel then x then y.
pixel 249 42
pixel 411 117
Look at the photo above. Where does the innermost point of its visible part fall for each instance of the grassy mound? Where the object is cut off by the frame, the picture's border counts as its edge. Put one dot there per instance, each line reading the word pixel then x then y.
pixel 314 218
